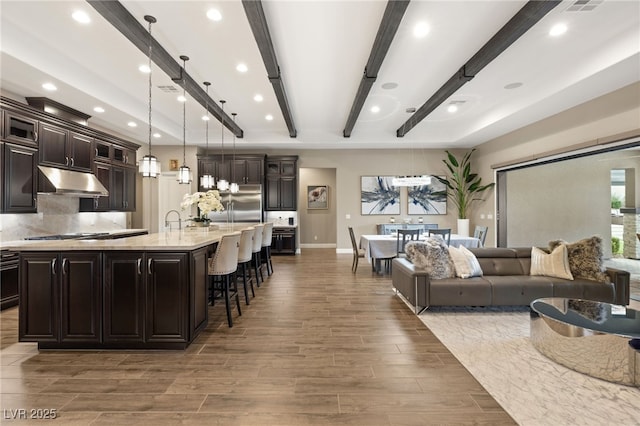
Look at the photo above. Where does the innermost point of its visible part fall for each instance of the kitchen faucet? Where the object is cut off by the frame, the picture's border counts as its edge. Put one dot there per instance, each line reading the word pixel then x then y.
pixel 168 223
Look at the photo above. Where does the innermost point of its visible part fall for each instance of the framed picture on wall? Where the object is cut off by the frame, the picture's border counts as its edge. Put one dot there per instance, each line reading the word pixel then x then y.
pixel 317 197
pixel 427 199
pixel 379 196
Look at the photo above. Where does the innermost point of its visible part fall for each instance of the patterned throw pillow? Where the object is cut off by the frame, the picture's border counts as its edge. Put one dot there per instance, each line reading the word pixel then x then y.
pixel 431 255
pixel 554 264
pixel 585 258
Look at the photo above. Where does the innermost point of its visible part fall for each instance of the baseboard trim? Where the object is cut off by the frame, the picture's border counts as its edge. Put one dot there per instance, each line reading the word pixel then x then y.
pixel 344 251
pixel 317 246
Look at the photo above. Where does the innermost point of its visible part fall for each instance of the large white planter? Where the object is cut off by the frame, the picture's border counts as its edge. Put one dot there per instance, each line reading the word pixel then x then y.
pixel 463 227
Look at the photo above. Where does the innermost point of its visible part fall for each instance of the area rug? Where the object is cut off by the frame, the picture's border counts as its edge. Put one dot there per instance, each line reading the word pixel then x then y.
pixel 493 344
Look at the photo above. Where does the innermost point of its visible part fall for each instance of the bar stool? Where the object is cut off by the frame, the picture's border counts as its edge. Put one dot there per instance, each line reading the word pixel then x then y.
pixel 255 253
pixel 244 260
pixel 267 237
pixel 222 268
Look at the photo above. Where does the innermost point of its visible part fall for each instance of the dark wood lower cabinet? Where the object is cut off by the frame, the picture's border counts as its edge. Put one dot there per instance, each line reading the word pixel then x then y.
pixel 113 299
pixel 124 297
pixel 284 241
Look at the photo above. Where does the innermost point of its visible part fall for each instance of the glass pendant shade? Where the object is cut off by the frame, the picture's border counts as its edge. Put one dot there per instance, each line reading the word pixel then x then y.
pixel 207 181
pixel 223 185
pixel 184 175
pixel 149 166
pixel 234 187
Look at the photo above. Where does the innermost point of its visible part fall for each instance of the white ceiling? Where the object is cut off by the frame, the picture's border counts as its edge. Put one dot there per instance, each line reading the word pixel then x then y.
pixel 322 48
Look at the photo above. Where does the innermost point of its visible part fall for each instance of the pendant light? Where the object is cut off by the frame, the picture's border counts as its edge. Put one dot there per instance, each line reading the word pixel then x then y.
pixel 184 172
pixel 234 187
pixel 223 184
pixel 207 181
pixel 149 165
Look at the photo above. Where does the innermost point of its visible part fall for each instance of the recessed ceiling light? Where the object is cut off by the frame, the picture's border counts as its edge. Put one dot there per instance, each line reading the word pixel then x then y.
pixel 144 68
pixel 258 98
pixel 452 108
pixel 98 109
pixel 513 85
pixel 268 117
pixel 157 135
pixel 389 86
pixel 421 30
pixel 81 16
pixel 558 30
pixel 182 99
pixel 206 118
pixel 242 67
pixel 49 86
pixel 375 109
pixel 132 124
pixel 214 15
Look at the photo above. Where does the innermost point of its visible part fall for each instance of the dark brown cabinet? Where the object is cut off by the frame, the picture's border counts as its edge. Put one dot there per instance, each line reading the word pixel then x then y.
pixel 284 241
pixel 20 129
pixel 281 183
pixel 99 204
pixel 60 147
pixel 60 297
pixel 124 297
pixel 19 168
pixel 81 297
pixel 122 189
pixel 245 169
pixel 124 155
pixel 8 279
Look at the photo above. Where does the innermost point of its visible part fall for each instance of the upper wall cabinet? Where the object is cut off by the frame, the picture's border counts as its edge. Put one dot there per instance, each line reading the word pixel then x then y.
pixel 61 148
pixel 20 129
pixel 281 183
pixel 18 171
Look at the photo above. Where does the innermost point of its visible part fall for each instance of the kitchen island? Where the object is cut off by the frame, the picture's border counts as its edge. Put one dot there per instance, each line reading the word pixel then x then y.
pixel 141 292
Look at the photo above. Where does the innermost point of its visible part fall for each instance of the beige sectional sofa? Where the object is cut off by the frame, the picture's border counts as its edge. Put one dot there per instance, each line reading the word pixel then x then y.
pixel 505 281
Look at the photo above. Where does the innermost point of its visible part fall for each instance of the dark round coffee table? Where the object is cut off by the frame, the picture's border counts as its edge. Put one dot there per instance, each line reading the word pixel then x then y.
pixel 595 338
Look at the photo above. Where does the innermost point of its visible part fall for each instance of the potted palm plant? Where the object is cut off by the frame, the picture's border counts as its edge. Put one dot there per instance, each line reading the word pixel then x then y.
pixel 462 187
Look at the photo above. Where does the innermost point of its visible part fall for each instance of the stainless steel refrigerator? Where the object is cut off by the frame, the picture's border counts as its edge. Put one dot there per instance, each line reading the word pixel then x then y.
pixel 243 206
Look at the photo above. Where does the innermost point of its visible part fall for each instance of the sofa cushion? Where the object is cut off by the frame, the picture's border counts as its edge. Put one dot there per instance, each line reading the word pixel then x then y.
pixel 431 255
pixel 585 258
pixel 465 262
pixel 518 290
pixel 554 264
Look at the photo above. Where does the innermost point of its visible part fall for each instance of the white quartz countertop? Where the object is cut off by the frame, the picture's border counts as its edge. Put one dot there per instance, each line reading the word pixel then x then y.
pixel 181 240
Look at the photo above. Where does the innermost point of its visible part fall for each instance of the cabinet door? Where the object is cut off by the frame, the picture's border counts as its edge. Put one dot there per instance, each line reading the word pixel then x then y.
pixel 167 297
pixel 100 204
pixel 102 151
pixel 39 297
pixel 116 188
pixel 288 242
pixel 238 171
pixel 53 145
pixel 129 191
pixel 124 155
pixel 223 169
pixel 288 190
pixel 254 173
pixel 20 129
pixel 272 193
pixel 124 299
pixel 81 298
pixel 80 152
pixel 288 167
pixel 19 183
pixel 199 289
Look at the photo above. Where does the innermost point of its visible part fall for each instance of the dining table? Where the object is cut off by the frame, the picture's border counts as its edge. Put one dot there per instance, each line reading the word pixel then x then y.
pixel 381 247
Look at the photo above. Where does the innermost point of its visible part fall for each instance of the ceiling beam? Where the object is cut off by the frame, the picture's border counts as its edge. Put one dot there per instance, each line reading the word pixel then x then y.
pixel 527 17
pixel 118 16
pixel 391 19
pixel 258 22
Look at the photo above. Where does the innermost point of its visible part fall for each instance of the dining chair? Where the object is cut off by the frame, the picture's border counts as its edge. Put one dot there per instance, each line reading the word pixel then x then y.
pixel 256 258
pixel 222 269
pixel 245 253
pixel 267 237
pixel 357 252
pixel 444 233
pixel 480 233
pixel 404 236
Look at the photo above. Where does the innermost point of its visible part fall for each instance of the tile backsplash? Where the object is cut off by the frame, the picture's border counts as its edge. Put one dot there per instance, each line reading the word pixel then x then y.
pixel 281 218
pixel 58 214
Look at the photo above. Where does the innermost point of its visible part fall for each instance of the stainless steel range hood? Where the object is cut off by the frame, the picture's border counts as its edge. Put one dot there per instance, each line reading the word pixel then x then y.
pixel 68 182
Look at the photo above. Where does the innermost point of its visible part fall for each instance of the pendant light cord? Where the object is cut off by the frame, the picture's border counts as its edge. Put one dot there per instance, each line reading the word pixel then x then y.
pixel 222 102
pixel 184 111
pixel 150 81
pixel 233 169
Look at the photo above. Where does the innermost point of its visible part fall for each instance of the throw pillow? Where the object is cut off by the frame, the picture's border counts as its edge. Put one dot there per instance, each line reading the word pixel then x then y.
pixel 465 262
pixel 432 255
pixel 585 258
pixel 554 264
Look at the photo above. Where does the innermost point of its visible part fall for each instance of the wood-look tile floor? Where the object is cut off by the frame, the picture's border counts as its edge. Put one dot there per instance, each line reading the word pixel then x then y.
pixel 317 346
